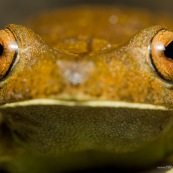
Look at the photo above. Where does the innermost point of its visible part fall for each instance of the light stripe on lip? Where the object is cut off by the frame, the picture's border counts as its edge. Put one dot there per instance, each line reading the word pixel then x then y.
pixel 113 104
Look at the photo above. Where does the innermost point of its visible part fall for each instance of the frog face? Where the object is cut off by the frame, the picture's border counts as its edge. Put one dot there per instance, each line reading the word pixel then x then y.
pixel 66 95
pixel 136 72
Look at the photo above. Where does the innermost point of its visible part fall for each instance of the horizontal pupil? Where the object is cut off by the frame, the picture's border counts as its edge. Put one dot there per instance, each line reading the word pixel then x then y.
pixel 1 49
pixel 169 50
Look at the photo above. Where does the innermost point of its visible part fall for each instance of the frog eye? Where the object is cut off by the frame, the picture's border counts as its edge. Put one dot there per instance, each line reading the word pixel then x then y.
pixel 8 52
pixel 161 54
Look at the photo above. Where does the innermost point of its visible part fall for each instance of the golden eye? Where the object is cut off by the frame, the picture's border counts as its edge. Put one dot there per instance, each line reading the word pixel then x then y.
pixel 8 52
pixel 161 54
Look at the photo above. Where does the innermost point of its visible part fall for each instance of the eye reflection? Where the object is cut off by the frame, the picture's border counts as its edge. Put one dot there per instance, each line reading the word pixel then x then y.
pixel 13 46
pixel 159 47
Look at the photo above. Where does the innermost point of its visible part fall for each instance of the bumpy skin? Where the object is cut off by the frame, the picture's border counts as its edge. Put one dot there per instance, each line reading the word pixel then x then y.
pixel 85 54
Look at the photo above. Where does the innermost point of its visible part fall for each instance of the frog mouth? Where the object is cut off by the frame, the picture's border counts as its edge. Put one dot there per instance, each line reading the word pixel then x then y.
pixel 134 122
pixel 93 103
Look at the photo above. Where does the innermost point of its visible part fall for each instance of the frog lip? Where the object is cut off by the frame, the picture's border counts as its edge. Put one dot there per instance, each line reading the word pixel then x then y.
pixel 93 103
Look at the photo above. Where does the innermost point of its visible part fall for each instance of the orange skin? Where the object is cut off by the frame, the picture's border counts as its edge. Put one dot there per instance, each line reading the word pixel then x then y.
pixel 96 54
pixel 88 54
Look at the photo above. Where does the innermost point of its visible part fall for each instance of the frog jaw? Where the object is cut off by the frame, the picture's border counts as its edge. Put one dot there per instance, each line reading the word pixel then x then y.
pixel 92 103
pixel 49 127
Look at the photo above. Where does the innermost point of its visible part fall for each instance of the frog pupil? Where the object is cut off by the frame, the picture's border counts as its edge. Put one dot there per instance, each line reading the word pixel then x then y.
pixel 1 49
pixel 169 50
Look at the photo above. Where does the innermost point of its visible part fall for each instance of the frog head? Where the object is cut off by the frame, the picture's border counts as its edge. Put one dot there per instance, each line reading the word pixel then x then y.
pixel 138 71
pixel 119 97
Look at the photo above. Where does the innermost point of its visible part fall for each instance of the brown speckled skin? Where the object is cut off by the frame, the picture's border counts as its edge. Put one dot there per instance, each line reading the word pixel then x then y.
pixel 83 54
pixel 96 54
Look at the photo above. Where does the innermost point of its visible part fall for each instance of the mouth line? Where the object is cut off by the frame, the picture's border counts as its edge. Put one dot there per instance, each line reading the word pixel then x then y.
pixel 92 103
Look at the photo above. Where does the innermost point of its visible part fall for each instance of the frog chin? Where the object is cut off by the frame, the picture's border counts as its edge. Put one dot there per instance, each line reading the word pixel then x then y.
pixel 109 127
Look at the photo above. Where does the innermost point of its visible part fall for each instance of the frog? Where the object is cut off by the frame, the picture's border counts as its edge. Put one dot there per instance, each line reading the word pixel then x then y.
pixel 86 87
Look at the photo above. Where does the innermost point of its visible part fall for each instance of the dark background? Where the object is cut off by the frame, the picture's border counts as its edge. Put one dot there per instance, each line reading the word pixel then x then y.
pixel 16 11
